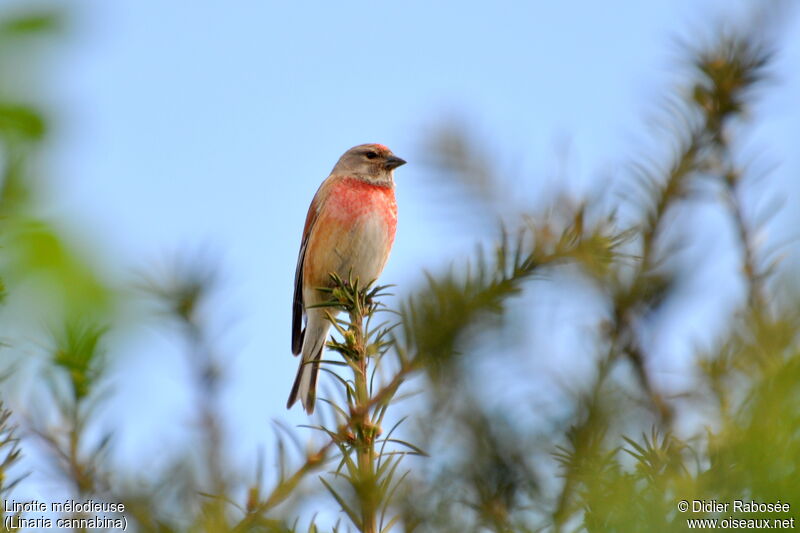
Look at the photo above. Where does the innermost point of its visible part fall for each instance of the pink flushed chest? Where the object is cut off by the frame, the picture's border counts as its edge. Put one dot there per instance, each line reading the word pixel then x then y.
pixel 353 201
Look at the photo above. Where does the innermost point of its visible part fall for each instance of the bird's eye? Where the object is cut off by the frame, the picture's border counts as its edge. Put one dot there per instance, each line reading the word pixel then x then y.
pixel 371 155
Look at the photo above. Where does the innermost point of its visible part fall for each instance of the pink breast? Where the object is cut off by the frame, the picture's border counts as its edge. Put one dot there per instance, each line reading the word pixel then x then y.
pixel 352 199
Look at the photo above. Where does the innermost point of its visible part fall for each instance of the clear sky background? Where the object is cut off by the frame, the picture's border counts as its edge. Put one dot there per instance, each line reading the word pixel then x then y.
pixel 182 125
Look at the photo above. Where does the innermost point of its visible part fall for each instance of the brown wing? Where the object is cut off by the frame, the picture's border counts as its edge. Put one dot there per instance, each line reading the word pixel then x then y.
pixel 298 308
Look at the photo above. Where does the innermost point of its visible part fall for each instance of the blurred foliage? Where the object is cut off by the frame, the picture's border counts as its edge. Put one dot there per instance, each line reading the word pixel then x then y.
pixel 77 354
pixel 35 249
pixel 617 454
pixel 10 453
pixel 609 477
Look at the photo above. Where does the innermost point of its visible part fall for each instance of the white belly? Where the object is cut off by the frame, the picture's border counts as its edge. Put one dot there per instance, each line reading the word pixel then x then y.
pixel 362 252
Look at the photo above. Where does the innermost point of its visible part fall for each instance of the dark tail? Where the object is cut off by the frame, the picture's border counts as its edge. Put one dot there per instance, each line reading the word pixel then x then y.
pixel 305 384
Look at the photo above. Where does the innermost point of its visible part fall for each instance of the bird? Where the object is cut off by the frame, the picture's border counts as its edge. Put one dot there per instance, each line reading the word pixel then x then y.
pixel 349 231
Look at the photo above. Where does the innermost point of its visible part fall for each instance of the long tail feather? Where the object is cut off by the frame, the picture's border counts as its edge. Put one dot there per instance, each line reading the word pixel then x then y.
pixel 305 383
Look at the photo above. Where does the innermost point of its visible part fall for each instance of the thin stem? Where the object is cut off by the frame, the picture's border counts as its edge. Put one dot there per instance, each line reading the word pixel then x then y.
pixel 732 181
pixel 365 429
pixel 356 438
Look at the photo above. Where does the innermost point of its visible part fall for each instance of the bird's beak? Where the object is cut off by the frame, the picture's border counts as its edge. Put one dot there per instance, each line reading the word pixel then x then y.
pixel 392 162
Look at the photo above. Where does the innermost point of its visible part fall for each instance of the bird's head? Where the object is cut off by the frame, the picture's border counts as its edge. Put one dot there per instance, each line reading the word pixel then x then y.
pixel 370 162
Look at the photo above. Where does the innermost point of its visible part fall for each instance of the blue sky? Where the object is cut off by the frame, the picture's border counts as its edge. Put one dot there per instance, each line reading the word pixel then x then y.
pixel 196 124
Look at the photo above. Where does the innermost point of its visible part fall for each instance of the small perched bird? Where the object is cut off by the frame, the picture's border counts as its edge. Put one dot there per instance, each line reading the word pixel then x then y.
pixel 349 231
